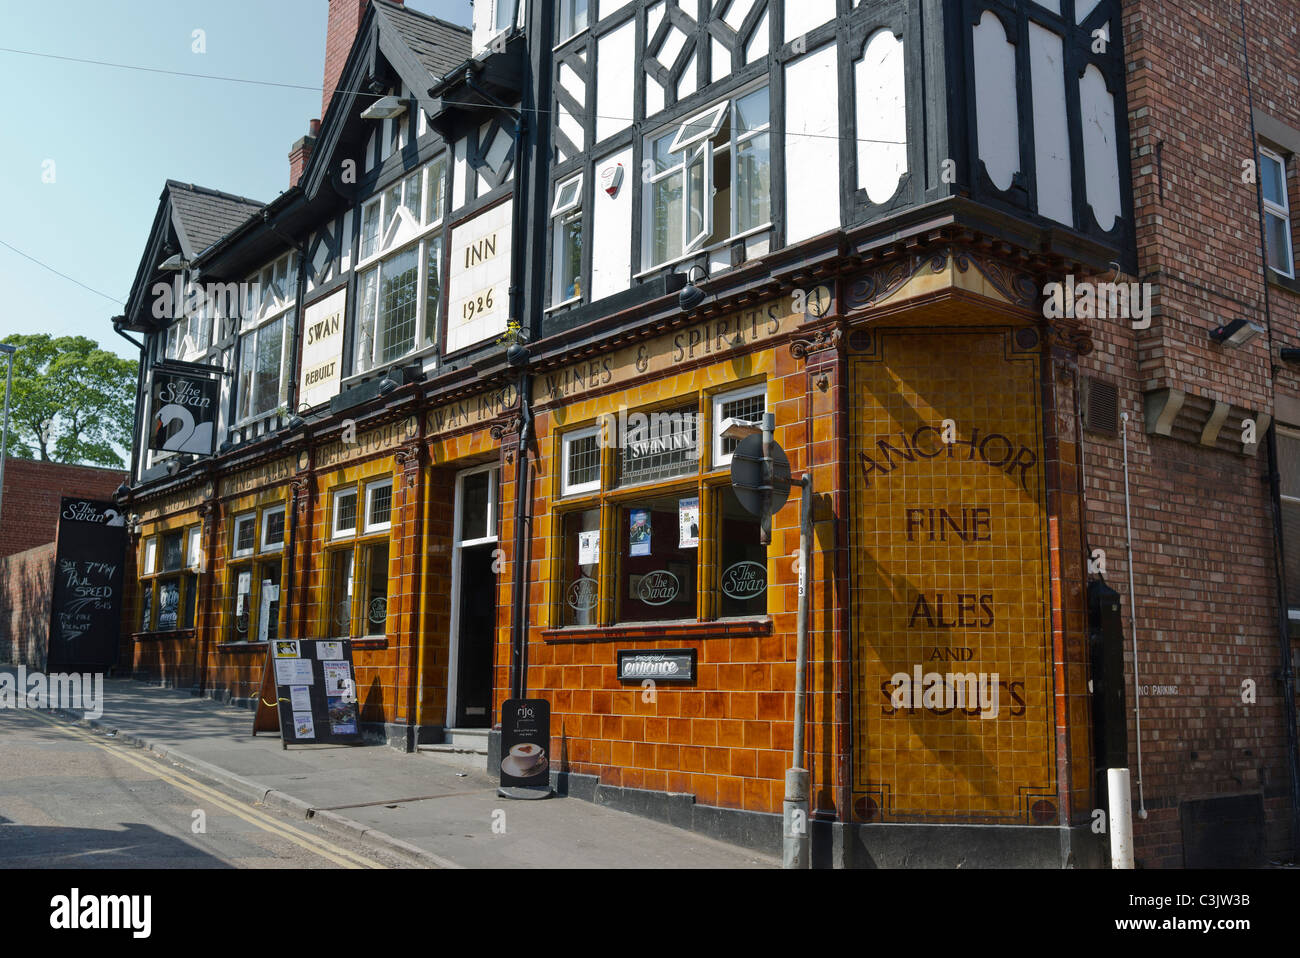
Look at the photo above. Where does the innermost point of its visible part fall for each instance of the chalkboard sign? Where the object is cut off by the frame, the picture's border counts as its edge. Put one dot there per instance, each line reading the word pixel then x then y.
pixel 86 601
pixel 525 742
pixel 315 691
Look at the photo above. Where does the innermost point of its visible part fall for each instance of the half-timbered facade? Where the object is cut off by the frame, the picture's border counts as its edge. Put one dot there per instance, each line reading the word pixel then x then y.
pixel 476 368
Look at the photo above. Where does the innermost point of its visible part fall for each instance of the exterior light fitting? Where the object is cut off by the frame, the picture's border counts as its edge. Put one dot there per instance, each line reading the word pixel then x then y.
pixel 1236 333
pixel 691 295
pixel 385 108
pixel 173 264
pixel 738 429
pixel 1290 354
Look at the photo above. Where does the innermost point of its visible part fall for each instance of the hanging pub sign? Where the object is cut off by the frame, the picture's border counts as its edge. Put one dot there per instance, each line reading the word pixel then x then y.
pixel 183 412
pixel 525 742
pixel 664 665
pixel 86 602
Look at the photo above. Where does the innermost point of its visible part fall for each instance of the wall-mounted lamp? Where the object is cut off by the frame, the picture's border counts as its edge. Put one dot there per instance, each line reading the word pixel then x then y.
pixel 691 295
pixel 1236 333
pixel 173 264
pixel 385 108
pixel 1290 354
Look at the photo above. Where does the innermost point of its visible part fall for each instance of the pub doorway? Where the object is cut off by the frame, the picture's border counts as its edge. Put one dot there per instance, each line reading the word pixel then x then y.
pixel 474 599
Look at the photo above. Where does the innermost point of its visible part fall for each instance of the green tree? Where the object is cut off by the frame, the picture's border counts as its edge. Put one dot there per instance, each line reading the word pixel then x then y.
pixel 72 401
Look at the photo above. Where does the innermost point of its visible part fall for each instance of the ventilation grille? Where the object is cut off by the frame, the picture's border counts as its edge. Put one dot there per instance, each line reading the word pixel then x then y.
pixel 1100 406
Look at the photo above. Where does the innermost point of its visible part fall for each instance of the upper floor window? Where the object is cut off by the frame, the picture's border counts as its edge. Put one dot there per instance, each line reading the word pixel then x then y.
pixel 1277 213
pixel 711 178
pixel 566 215
pixel 504 15
pixel 401 278
pixel 573 18
pixel 266 345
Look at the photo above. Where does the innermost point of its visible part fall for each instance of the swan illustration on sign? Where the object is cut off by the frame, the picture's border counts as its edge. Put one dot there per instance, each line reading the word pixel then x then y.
pixel 190 437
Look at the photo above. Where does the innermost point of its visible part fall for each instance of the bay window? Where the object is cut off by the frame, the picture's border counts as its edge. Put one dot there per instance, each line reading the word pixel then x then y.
pixel 711 178
pixel 266 346
pixel 400 268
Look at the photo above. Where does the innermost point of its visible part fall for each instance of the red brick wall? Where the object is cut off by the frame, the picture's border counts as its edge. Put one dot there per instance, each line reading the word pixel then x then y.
pixel 1203 560
pixel 26 582
pixel 345 18
pixel 31 498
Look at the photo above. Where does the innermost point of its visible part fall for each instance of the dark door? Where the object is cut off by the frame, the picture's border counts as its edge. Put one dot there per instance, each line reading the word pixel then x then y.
pixel 477 636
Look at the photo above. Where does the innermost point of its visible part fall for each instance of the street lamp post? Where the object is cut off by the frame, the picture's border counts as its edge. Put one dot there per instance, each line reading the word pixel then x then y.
pixel 4 440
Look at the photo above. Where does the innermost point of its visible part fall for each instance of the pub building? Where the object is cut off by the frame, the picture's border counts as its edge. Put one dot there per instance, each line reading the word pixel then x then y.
pixel 472 376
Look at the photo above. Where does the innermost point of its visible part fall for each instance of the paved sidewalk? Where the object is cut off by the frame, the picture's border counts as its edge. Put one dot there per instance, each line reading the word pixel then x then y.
pixel 433 812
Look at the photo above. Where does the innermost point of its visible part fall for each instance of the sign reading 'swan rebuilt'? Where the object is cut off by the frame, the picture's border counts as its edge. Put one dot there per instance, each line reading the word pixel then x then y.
pixel 322 349
pixel 952 686
pixel 184 413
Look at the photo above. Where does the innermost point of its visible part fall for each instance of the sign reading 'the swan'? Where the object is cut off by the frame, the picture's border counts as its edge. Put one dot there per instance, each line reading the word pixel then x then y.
pixel 184 413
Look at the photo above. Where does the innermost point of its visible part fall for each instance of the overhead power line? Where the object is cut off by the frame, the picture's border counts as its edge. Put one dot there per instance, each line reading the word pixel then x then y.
pixel 319 89
pixel 70 279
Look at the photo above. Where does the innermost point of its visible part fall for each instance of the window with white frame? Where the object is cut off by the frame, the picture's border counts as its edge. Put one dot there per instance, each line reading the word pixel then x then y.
pixel 379 505
pixel 266 345
pixel 193 549
pixel 345 512
pixel 1277 213
pixel 711 178
pixel 566 215
pixel 400 269
pixel 581 461
pixel 273 528
pixel 747 405
pixel 573 18
pixel 503 16
pixel 150 555
pixel 245 534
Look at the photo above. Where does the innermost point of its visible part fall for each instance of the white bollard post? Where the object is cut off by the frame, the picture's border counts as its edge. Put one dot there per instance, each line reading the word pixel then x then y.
pixel 1121 818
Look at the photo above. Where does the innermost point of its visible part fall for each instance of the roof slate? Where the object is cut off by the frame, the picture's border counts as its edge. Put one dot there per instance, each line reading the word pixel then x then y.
pixel 438 45
pixel 204 216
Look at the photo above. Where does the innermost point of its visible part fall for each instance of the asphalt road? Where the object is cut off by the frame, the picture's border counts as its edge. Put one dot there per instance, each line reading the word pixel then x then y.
pixel 73 798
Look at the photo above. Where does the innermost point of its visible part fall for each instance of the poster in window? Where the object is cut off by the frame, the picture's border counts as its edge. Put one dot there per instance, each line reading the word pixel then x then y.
pixel 303 726
pixel 169 604
pixel 270 593
pixel 688 522
pixel 589 547
pixel 183 413
pixel 638 533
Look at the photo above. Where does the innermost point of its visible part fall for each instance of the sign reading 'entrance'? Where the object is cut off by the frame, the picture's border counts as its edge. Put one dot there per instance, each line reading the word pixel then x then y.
pixel 666 665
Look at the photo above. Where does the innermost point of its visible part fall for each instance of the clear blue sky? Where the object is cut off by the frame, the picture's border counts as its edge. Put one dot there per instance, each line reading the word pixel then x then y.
pixel 115 135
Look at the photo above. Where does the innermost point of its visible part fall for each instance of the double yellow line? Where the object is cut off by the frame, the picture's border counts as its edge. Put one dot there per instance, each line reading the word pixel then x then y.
pixel 316 845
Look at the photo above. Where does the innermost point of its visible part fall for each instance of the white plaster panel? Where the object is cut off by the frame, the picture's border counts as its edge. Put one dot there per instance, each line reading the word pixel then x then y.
pixel 881 129
pixel 1051 135
pixel 812 174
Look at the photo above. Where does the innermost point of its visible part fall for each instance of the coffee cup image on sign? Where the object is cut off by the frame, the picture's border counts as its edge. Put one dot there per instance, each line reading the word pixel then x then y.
pixel 527 758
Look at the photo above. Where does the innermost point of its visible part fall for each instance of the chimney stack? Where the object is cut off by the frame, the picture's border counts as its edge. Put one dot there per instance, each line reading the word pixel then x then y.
pixel 344 21
pixel 300 152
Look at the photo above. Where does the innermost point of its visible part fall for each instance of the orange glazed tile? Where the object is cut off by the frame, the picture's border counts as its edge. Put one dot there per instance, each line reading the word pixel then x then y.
pixel 655 779
pixel 744 762
pixel 772 764
pixel 730 791
pixel 679 782
pixel 704 731
pixel 705 788
pixel 758 735
pixel 757 793
pixel 656 730
pixel 731 732
pixel 717 760
pixel 667 757
pixel 691 758
pixel 643 755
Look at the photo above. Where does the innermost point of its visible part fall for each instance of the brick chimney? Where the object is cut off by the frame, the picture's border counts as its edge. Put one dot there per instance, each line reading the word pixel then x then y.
pixel 300 152
pixel 344 22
